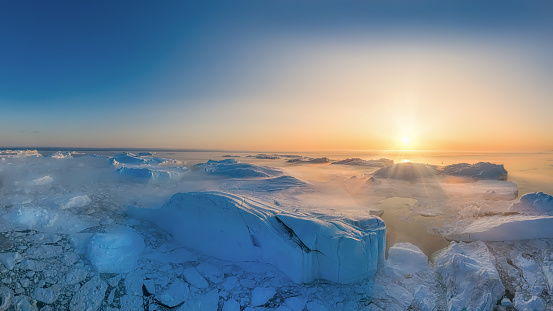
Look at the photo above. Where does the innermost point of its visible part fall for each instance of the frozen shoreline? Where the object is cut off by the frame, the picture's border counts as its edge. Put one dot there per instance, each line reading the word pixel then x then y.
pixel 47 264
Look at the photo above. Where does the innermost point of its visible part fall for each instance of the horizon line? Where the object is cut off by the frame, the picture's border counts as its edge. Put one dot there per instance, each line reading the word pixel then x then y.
pixel 59 148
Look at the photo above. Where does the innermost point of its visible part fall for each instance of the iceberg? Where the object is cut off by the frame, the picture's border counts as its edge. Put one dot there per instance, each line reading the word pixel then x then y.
pixel 480 170
pixel 235 169
pixel 304 247
pixel 469 275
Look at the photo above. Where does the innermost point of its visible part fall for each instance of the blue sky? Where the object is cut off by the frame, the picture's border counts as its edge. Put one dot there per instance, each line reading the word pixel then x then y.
pixel 204 74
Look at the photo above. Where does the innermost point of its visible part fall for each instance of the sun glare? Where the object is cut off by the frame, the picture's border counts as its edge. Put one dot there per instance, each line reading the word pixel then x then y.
pixel 406 140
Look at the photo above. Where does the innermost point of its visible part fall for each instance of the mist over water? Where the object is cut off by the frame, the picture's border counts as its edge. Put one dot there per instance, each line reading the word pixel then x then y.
pixel 416 212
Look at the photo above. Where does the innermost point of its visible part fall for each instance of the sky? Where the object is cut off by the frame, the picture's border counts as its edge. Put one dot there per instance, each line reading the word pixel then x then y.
pixel 277 75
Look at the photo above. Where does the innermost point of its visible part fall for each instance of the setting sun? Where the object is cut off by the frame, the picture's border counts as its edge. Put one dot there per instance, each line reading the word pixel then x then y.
pixel 406 140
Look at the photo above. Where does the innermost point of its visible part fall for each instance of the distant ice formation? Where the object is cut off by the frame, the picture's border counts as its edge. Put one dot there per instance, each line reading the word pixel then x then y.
pixel 303 247
pixel 61 155
pixel 360 162
pixel 129 158
pixel 308 160
pixel 480 170
pixel 151 173
pixel 235 169
pixel 144 167
pixel 10 154
pixel 407 171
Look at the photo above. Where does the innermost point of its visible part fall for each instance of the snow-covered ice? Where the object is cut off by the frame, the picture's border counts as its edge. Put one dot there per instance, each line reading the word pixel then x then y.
pixel 470 277
pixel 406 259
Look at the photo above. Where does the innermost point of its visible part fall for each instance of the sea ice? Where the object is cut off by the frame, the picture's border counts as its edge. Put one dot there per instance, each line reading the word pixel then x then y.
pixel 260 296
pixel 406 259
pixel 175 294
pixel 38 218
pixel 304 247
pixel 90 296
pixel 115 252
pixel 469 275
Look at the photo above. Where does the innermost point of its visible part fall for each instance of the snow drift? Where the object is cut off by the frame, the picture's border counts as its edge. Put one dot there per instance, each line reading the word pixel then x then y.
pixel 304 247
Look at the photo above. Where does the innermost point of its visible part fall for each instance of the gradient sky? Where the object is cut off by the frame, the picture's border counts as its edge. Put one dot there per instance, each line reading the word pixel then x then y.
pixel 277 75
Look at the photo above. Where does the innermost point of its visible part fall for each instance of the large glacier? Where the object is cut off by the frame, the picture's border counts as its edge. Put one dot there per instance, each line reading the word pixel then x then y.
pixel 304 247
